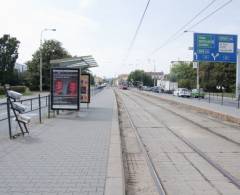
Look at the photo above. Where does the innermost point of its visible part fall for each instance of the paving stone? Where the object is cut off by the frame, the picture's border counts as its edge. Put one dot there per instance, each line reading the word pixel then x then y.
pixel 65 155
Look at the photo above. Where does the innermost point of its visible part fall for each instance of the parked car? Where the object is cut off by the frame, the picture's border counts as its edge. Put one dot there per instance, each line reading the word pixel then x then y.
pixel 175 92
pixel 182 92
pixel 195 93
pixel 156 89
pixel 146 88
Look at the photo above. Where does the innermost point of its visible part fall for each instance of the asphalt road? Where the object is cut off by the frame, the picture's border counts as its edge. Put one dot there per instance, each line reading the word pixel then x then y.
pixel 226 101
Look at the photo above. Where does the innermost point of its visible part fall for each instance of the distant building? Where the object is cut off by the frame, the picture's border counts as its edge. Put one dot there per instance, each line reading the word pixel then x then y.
pixel 20 67
pixel 156 75
pixel 98 80
pixel 123 77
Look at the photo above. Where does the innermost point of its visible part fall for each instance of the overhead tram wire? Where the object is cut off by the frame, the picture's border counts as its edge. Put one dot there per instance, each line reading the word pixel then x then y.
pixel 137 30
pixel 206 17
pixel 194 25
pixel 185 25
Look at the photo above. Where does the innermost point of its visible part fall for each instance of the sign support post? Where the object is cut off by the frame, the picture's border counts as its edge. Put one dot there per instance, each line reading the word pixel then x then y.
pixel 196 66
pixel 238 74
pixel 198 86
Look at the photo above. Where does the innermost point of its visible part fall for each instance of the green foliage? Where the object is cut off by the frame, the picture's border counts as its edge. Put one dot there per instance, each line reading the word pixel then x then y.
pixel 1 90
pixel 51 50
pixel 217 74
pixel 184 74
pixel 20 89
pixel 139 76
pixel 210 76
pixel 8 56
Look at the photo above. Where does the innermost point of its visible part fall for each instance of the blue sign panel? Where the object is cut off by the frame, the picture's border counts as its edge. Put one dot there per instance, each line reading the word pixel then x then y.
pixel 215 48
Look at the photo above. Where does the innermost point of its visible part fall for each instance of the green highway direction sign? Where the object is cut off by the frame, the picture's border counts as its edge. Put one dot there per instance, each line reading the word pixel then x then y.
pixel 215 48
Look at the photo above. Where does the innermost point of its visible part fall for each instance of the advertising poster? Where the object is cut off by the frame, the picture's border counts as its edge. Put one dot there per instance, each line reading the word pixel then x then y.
pixel 85 88
pixel 65 89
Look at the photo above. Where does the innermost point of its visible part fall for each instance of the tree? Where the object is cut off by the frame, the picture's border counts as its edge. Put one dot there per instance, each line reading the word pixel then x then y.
pixel 8 56
pixel 218 74
pixel 51 50
pixel 211 75
pixel 139 76
pixel 184 74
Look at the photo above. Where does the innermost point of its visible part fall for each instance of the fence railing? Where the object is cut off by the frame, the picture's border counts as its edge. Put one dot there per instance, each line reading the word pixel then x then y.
pixel 223 100
pixel 220 98
pixel 33 104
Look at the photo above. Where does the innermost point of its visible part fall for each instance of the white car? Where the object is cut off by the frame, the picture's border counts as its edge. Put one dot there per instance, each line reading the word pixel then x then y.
pixel 182 92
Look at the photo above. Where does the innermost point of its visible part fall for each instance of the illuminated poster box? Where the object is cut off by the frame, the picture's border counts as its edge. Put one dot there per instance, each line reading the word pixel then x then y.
pixel 85 88
pixel 64 89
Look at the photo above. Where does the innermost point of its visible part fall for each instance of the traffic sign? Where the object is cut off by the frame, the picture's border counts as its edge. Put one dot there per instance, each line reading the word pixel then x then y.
pixel 215 47
pixel 195 65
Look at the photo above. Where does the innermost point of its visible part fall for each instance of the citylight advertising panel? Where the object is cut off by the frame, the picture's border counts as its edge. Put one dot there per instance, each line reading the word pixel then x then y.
pixel 85 88
pixel 64 89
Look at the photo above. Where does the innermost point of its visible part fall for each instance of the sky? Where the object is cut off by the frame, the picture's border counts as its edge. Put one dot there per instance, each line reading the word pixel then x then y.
pixel 105 28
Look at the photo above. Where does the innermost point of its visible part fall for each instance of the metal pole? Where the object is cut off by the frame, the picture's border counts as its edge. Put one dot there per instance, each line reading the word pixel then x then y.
pixel 9 118
pixel 80 86
pixel 40 66
pixel 40 111
pixel 238 74
pixel 238 100
pixel 49 106
pixel 31 104
pixel 198 87
pixel 222 97
pixel 154 73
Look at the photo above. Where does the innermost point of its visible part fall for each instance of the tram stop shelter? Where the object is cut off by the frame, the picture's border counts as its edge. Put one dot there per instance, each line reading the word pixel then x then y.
pixel 69 87
pixel 75 62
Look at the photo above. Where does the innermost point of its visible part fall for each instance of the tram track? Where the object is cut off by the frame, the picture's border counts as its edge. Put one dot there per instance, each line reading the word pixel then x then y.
pixel 191 121
pixel 152 169
pixel 217 166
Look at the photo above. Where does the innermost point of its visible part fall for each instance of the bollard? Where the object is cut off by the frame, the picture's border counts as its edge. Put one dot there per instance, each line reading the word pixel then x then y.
pixel 208 97
pixel 40 111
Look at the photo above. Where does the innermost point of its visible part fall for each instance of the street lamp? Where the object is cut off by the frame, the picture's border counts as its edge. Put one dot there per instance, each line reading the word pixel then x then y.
pixel 40 66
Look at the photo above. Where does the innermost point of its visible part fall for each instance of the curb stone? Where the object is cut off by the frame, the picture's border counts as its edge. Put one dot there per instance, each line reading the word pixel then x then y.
pixel 115 182
pixel 216 114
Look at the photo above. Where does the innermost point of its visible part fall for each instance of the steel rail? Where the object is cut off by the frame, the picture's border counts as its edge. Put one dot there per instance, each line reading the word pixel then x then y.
pixel 191 121
pixel 218 167
pixel 151 166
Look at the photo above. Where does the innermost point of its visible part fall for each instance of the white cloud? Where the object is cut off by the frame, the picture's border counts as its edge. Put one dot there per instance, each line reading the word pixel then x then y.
pixel 25 21
pixel 85 3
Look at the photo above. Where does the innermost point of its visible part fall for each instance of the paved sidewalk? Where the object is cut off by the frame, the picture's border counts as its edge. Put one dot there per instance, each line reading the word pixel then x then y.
pixel 225 112
pixel 66 155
